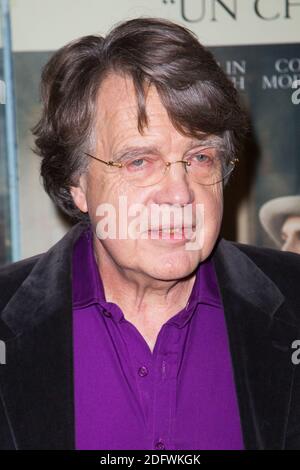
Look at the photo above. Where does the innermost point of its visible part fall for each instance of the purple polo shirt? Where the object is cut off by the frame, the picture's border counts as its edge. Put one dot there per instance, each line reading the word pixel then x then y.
pixel 180 396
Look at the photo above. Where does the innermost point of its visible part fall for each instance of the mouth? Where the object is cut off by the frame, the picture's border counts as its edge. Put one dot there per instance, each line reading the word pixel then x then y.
pixel 179 233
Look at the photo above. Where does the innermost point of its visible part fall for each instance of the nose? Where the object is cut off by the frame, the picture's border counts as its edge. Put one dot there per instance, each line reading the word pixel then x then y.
pixel 175 187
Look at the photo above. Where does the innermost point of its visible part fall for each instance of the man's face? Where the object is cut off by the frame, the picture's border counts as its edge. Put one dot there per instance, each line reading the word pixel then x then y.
pixel 158 258
pixel 290 234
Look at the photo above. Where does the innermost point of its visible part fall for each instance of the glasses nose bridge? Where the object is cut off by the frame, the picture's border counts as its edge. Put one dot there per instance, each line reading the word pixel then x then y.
pixel 168 165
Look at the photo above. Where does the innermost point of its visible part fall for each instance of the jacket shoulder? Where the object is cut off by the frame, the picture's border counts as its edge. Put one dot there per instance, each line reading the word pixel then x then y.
pixel 282 267
pixel 266 256
pixel 12 276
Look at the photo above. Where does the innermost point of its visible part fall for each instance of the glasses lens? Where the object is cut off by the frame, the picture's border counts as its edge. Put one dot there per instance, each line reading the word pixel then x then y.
pixel 143 171
pixel 206 167
pixel 210 176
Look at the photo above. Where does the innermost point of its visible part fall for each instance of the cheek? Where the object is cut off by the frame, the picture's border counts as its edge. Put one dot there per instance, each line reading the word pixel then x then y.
pixel 213 206
pixel 111 199
pixel 102 189
pixel 213 214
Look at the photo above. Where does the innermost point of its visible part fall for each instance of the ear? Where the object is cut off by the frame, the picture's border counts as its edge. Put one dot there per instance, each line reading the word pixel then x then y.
pixel 79 195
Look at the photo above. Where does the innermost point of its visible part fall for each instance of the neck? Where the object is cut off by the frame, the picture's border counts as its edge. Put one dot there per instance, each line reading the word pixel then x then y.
pixel 141 298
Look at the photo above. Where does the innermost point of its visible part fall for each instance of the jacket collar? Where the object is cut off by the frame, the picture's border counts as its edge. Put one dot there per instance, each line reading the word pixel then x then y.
pixel 261 328
pixel 47 288
pixel 240 276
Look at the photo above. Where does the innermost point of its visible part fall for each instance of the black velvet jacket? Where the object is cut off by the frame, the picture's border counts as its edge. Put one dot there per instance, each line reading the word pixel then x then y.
pixel 260 290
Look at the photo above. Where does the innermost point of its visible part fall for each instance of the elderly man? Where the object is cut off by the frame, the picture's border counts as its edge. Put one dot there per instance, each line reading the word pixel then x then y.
pixel 142 331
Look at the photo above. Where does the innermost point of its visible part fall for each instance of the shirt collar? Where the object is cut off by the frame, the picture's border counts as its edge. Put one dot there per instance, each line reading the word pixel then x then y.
pixel 86 282
pixel 205 291
pixel 88 287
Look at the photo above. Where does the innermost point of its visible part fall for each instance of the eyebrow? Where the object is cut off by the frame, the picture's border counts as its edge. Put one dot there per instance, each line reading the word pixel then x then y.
pixel 134 151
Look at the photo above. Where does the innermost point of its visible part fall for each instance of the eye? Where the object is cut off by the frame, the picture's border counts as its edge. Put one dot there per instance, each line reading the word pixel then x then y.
pixel 200 158
pixel 137 162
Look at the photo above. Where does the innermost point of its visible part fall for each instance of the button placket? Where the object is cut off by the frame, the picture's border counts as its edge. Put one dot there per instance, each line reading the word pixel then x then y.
pixel 143 371
pixel 166 368
pixel 160 445
pixel 107 313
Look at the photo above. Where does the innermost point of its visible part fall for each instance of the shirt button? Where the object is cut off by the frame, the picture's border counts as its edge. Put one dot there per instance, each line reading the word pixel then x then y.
pixel 160 445
pixel 143 371
pixel 106 313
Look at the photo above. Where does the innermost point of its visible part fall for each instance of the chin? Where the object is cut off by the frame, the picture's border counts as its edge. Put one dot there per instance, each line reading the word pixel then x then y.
pixel 174 266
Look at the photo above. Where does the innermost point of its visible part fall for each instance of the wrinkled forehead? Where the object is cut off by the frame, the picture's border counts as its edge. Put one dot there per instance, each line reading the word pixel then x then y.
pixel 117 103
pixel 117 117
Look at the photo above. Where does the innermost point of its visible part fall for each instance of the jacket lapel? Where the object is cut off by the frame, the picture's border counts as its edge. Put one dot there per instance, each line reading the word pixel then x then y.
pixel 37 380
pixel 260 331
